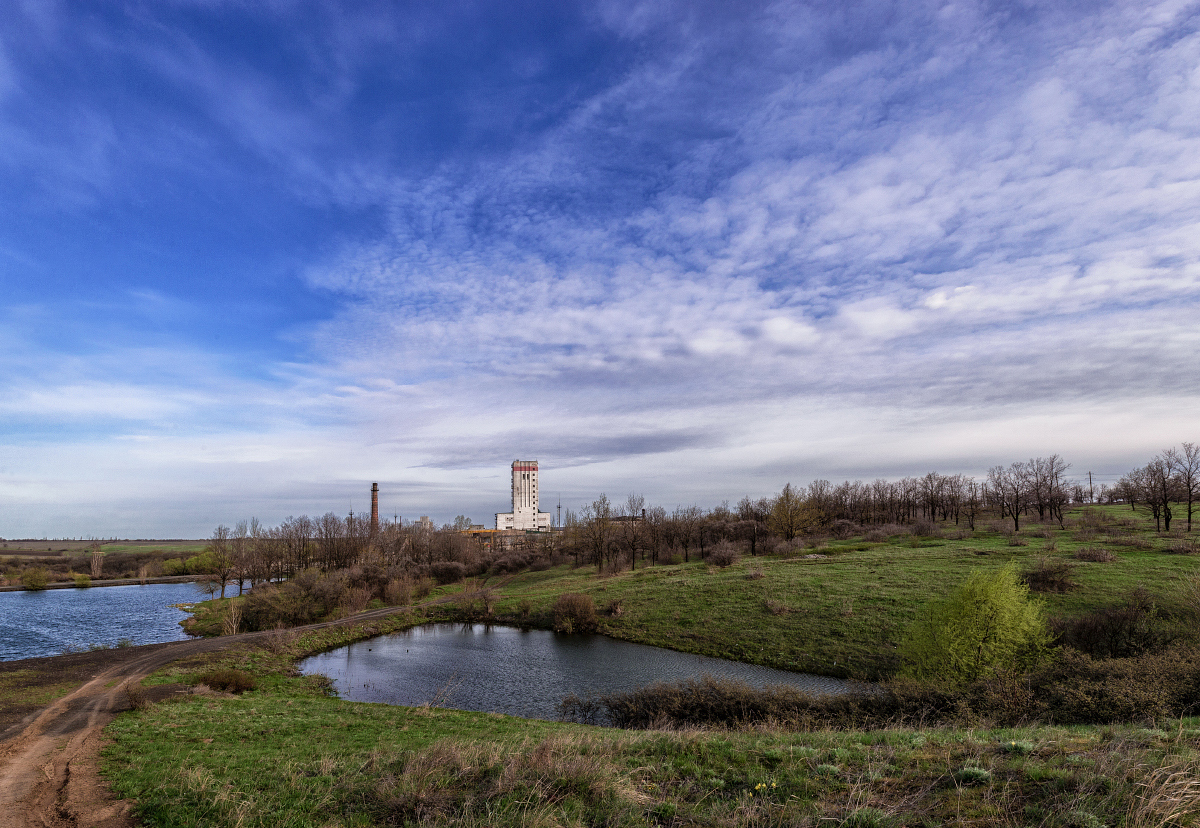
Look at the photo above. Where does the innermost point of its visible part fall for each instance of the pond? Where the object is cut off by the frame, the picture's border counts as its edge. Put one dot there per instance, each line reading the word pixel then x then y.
pixel 519 672
pixel 52 621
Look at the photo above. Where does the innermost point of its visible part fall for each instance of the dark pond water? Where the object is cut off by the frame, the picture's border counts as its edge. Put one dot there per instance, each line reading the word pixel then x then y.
pixel 521 673
pixel 49 622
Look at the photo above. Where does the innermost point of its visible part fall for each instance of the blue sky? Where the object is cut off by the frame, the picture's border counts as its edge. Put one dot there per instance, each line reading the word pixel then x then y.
pixel 256 256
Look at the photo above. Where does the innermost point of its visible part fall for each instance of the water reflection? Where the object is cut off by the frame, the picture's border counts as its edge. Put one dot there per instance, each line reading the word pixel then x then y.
pixel 519 672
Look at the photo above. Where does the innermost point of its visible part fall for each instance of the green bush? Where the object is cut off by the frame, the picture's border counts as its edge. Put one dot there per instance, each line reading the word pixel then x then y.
pixel 36 578
pixel 82 581
pixel 988 624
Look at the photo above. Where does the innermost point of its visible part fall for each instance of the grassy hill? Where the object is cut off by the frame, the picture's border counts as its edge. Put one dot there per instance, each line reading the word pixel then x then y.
pixel 286 754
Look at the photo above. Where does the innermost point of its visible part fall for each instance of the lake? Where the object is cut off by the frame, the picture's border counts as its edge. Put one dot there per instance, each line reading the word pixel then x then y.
pixel 519 672
pixel 47 622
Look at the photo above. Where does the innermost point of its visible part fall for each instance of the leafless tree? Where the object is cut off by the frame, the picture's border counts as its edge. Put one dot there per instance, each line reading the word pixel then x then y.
pixel 753 515
pixel 1010 487
pixel 97 561
pixel 595 520
pixel 1162 487
pixel 632 528
pixel 1188 465
pixel 687 522
pixel 221 557
pixel 240 551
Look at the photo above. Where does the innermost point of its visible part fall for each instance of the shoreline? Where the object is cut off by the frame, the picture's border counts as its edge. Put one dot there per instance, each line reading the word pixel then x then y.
pixel 111 582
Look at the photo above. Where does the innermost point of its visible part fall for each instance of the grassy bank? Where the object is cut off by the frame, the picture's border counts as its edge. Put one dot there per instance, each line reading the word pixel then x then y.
pixel 835 609
pixel 285 755
pixel 842 614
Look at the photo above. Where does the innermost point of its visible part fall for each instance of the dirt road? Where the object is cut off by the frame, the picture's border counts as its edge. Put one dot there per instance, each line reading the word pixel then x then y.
pixel 49 771
pixel 49 774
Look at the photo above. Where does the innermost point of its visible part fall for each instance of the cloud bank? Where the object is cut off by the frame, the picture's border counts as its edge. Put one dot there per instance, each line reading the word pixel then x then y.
pixel 671 249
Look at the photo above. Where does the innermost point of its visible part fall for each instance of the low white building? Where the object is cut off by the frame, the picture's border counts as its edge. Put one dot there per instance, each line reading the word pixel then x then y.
pixel 524 514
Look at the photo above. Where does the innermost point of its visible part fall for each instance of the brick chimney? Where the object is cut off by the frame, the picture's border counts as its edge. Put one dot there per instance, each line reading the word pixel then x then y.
pixel 374 508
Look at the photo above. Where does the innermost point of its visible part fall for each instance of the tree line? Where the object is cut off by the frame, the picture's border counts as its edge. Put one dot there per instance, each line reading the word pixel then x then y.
pixel 631 533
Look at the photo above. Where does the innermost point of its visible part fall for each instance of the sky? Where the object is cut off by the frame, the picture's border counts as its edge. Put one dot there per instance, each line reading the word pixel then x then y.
pixel 257 256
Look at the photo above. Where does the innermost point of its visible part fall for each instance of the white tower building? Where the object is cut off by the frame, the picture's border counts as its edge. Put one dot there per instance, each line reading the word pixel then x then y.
pixel 524 514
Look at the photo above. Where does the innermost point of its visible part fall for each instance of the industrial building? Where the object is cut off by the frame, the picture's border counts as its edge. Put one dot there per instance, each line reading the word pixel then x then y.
pixel 524 514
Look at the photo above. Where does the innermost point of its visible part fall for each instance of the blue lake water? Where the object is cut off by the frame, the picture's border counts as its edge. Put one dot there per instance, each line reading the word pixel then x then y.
pixel 48 622
pixel 521 673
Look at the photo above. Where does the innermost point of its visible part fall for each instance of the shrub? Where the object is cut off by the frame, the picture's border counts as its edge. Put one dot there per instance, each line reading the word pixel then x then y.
pixel 306 598
pixel 82 581
pixel 843 529
pixel 1017 540
pixel 1051 576
pixel 1181 546
pixel 36 578
pixel 228 680
pixel 574 612
pixel 1095 554
pixel 422 588
pixel 1077 689
pixel 398 592
pixel 986 625
pixel 924 526
pixel 724 554
pixel 1129 629
pixel 448 572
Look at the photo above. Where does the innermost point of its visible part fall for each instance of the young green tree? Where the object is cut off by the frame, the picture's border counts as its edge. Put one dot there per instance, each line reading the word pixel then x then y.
pixel 988 624
pixel 791 514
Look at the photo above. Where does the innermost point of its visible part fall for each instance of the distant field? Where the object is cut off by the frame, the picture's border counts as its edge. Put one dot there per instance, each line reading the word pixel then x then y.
pixel 41 548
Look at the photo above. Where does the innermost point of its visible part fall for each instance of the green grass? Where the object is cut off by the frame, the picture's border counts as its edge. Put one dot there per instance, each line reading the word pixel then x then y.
pixel 287 756
pixel 842 615
pixel 15 685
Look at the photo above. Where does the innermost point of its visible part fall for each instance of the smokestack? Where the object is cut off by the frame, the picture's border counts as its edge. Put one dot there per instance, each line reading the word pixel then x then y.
pixel 374 508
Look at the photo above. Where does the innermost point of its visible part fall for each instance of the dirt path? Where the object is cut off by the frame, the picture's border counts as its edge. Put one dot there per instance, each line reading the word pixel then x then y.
pixel 49 761
pixel 49 771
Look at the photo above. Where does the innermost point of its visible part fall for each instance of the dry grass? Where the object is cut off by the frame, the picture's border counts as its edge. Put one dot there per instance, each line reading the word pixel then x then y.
pixel 1167 795
pixel 232 622
pixel 453 778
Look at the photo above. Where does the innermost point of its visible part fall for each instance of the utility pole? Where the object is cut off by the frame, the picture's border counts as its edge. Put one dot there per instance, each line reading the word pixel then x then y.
pixel 1091 494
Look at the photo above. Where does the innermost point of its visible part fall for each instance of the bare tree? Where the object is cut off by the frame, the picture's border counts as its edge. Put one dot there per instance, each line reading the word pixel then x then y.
pixel 1189 477
pixel 687 522
pixel 753 515
pixel 1162 487
pixel 632 534
pixel 1010 487
pixel 240 549
pixel 972 501
pixel 221 557
pixel 597 530
pixel 97 561
pixel 656 529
